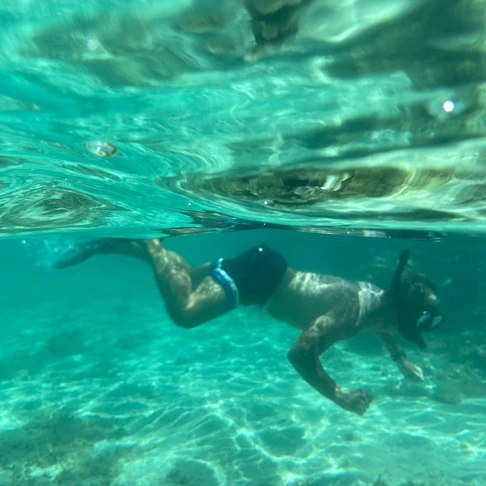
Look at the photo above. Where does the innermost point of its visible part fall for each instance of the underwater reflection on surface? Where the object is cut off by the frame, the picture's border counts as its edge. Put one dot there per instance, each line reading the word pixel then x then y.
pixel 354 115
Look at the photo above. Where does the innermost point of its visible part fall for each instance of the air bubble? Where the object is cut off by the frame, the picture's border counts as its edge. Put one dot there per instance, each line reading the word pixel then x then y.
pixel 101 149
pixel 93 44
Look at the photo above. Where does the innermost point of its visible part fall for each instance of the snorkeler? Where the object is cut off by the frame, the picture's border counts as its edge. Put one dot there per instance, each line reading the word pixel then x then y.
pixel 326 308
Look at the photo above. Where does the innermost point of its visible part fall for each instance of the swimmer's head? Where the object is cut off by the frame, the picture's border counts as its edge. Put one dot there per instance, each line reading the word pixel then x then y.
pixel 416 303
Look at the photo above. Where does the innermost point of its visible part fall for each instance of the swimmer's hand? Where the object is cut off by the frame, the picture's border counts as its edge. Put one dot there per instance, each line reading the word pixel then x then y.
pixel 410 370
pixel 356 401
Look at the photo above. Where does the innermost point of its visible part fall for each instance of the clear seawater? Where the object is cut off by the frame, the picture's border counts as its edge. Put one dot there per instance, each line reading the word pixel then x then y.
pixel 361 133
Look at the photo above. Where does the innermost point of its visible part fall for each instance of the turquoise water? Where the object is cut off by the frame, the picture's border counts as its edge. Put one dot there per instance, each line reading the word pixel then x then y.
pixel 358 134
pixel 99 387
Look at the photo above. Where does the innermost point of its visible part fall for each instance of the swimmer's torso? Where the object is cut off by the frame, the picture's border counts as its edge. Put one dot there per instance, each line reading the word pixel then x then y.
pixel 302 297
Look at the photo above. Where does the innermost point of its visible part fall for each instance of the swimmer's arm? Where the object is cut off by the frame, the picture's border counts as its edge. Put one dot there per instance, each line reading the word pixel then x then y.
pixel 408 369
pixel 391 345
pixel 304 355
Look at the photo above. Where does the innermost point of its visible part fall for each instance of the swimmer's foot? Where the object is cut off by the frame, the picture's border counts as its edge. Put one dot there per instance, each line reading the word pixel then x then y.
pixel 81 252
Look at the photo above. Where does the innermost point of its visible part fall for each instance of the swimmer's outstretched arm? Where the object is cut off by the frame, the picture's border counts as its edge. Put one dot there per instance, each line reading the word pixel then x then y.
pixel 408 369
pixel 304 355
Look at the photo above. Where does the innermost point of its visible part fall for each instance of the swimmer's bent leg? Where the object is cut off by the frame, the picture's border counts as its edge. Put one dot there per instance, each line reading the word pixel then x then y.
pixel 192 297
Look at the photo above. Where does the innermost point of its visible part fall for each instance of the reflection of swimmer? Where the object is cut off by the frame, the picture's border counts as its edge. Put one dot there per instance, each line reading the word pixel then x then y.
pixel 326 308
pixel 273 22
pixel 209 221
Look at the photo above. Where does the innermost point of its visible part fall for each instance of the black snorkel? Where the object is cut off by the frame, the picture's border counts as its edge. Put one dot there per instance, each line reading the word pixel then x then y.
pixel 407 329
pixel 414 317
pixel 402 261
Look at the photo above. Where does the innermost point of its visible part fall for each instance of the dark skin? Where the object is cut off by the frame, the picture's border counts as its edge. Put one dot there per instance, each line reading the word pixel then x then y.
pixel 326 308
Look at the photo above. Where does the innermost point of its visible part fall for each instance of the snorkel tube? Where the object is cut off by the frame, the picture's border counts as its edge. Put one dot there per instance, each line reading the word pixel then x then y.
pixel 413 317
pixel 407 329
pixel 395 287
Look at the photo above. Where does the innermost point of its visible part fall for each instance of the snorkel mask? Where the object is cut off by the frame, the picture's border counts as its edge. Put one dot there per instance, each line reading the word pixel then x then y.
pixel 429 322
pixel 413 318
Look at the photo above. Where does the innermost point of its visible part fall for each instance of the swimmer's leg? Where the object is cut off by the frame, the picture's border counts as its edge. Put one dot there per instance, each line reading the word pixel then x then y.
pixel 112 246
pixel 192 297
pixel 82 251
